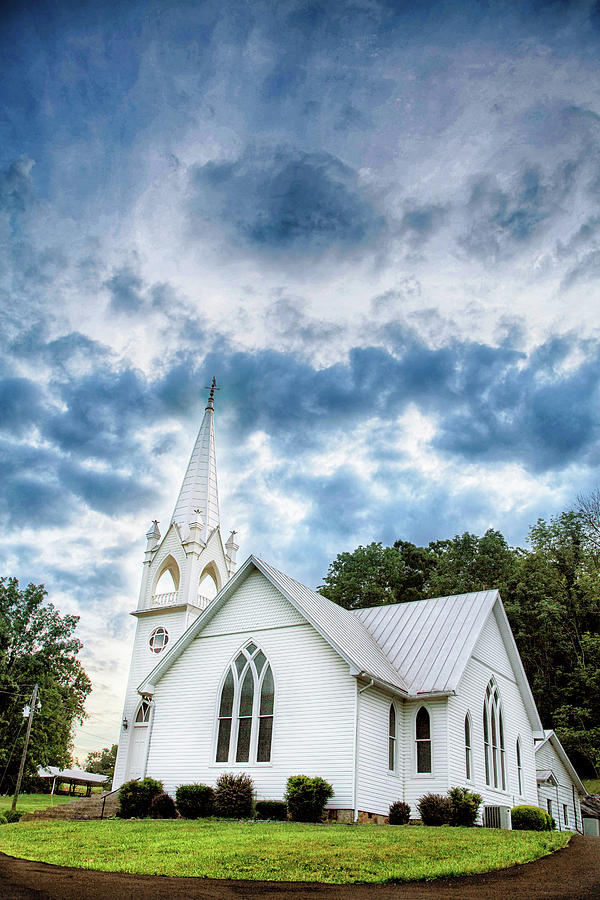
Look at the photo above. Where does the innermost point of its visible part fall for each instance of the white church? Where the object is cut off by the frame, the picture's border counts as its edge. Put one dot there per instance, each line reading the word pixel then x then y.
pixel 251 671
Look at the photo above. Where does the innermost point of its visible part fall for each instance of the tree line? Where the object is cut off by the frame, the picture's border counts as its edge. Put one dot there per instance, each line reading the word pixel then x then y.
pixel 551 593
pixel 37 646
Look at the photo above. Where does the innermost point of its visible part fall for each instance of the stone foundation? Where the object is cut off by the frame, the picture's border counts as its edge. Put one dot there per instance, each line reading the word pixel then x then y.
pixel 346 817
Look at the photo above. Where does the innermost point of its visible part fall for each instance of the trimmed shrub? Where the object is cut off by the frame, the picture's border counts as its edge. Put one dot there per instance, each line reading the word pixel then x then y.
pixel 135 797
pixel 306 797
pixel 233 796
pixel 271 809
pixel 12 815
pixel 465 806
pixel 399 813
pixel 530 818
pixel 435 809
pixel 194 801
pixel 163 807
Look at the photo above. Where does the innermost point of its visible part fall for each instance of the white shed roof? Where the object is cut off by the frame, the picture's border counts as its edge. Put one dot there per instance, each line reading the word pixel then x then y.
pixel 76 775
pixel 430 641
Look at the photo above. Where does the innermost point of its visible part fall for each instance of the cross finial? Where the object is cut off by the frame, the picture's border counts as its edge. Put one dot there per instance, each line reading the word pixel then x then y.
pixel 211 397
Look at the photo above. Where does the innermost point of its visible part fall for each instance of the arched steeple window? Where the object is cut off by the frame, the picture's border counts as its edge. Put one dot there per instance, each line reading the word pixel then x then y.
pixel 423 741
pixel 246 709
pixel 493 738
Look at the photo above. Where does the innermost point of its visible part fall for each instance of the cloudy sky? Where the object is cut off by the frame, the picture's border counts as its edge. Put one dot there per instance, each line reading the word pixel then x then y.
pixel 377 223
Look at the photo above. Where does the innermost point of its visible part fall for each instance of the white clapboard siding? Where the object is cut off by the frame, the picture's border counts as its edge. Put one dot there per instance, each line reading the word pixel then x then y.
pixel 143 661
pixel 561 795
pixel 489 659
pixel 435 782
pixel 313 730
pixel 377 787
pixel 256 604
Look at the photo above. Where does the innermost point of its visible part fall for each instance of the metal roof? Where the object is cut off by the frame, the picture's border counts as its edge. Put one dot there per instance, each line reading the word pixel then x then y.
pixel 78 776
pixel 340 627
pixel 552 738
pixel 430 642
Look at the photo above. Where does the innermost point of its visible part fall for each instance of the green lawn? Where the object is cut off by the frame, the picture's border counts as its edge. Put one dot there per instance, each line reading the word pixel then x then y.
pixel 592 785
pixel 287 851
pixel 27 803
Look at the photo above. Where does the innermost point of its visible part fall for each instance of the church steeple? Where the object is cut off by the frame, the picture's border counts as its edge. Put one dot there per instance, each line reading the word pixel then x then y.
pixel 199 492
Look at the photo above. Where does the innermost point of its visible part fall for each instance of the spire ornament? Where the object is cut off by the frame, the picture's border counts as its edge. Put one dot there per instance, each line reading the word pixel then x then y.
pixel 211 397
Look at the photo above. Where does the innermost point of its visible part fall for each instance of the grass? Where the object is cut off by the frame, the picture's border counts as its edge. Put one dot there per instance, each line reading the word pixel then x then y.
pixel 592 785
pixel 337 854
pixel 27 803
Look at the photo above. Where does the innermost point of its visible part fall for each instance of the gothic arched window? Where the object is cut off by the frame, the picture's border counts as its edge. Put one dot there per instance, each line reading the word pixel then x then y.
pixel 468 746
pixel 246 709
pixel 142 716
pixel 493 738
pixel 392 739
pixel 423 741
pixel 519 767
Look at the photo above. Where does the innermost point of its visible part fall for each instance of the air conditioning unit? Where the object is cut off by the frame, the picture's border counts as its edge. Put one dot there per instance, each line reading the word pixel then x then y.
pixel 497 817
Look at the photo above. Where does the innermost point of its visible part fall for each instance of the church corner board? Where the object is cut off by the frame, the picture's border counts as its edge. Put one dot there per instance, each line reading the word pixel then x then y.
pixel 249 670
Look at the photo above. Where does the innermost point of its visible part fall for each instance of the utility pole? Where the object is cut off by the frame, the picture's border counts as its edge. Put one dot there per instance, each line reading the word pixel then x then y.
pixel 27 733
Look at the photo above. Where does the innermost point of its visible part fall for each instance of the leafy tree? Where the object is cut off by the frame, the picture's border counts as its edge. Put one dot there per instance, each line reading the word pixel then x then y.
pixel 102 762
pixel 370 576
pixel 37 644
pixel 470 563
pixel 550 592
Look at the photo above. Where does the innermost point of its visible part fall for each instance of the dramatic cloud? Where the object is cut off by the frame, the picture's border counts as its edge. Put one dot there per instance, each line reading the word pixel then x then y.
pixel 378 225
pixel 286 201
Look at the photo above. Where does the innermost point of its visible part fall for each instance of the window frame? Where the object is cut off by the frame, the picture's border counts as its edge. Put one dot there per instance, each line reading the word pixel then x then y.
pixel 493 738
pixel 417 741
pixel 519 765
pixel 392 740
pixel 152 635
pixel 144 707
pixel 468 746
pixel 256 716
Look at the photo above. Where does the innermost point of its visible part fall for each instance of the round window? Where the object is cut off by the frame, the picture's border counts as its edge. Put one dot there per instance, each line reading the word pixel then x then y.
pixel 159 639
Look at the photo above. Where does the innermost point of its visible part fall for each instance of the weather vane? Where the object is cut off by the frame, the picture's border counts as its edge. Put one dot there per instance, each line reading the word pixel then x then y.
pixel 212 388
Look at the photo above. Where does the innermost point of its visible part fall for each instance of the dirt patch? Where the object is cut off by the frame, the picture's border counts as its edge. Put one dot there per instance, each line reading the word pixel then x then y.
pixel 569 874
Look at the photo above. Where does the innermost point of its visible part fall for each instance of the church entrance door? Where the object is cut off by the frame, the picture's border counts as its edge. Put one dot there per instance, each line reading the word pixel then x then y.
pixel 137 751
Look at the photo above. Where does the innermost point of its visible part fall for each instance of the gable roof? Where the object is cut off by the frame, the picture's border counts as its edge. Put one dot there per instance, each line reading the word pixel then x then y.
pixel 430 641
pixel 551 738
pixel 420 648
pixel 339 627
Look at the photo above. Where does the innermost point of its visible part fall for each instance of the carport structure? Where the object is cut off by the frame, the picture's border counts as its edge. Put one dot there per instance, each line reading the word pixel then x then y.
pixel 72 777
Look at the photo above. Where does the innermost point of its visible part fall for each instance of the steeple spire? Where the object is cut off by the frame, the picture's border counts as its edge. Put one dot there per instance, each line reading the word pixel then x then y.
pixel 199 492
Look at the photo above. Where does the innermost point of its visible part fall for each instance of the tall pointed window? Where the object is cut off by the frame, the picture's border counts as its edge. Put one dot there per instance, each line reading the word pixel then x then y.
pixel 423 741
pixel 493 738
pixel 392 739
pixel 519 767
pixel 468 746
pixel 246 709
